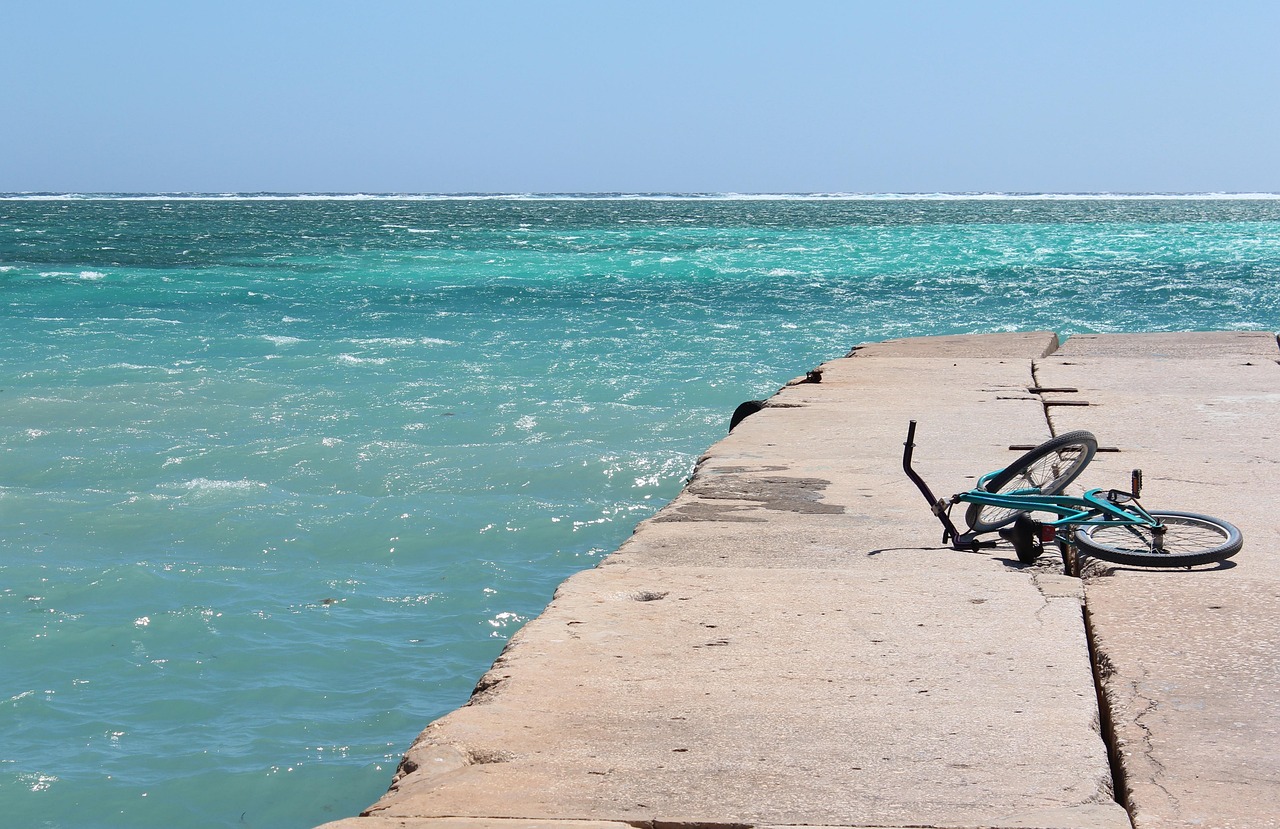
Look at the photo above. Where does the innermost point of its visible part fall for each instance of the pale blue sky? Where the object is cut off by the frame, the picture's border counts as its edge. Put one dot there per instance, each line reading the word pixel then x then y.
pixel 645 96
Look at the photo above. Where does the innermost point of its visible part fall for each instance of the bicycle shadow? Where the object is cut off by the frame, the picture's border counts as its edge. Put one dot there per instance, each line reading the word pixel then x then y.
pixel 1098 568
pixel 1102 569
pixel 1054 562
pixel 880 550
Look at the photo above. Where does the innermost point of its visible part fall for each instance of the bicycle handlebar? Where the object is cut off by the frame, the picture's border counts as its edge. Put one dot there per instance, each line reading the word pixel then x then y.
pixel 935 506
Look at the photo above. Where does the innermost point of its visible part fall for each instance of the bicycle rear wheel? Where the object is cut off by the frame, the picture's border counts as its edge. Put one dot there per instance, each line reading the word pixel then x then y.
pixel 1189 539
pixel 1045 470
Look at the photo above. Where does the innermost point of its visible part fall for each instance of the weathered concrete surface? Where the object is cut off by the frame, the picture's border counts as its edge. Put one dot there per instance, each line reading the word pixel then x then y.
pixel 970 346
pixel 1190 657
pixel 787 643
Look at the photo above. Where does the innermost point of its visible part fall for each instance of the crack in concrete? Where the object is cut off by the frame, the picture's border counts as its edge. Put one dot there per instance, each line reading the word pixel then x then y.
pixel 1103 670
pixel 1100 662
pixel 1149 708
pixel 1044 404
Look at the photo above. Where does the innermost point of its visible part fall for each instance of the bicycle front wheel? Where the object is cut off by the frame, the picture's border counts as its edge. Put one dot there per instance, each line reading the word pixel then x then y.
pixel 1045 470
pixel 1188 539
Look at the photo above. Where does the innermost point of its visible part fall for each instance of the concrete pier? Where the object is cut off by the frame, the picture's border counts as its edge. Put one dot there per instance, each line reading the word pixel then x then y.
pixel 787 643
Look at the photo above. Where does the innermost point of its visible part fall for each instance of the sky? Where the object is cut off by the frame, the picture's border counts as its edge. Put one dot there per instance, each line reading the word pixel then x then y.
pixel 893 96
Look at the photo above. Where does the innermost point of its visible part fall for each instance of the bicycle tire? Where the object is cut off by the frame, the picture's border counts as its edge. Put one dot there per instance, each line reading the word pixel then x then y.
pixel 1190 539
pixel 1046 470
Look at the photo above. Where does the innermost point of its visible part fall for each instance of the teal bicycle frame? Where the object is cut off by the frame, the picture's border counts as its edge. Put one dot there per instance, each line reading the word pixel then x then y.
pixel 1109 525
pixel 1096 507
pixel 1092 508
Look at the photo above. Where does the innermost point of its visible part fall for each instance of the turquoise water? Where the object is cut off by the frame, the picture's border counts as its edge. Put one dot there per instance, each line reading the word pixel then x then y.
pixel 279 477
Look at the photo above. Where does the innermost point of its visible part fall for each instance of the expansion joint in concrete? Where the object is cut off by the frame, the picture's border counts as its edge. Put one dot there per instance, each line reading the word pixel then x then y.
pixel 1062 397
pixel 1102 671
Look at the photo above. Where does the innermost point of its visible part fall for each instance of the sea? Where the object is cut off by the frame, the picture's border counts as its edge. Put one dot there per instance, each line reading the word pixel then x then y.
pixel 281 474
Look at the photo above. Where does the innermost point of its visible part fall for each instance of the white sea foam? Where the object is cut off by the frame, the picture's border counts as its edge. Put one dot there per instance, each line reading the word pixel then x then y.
pixel 92 276
pixel 154 320
pixel 137 367
pixel 425 598
pixel 37 782
pixel 206 485
pixel 282 340
pixel 384 341
pixel 399 341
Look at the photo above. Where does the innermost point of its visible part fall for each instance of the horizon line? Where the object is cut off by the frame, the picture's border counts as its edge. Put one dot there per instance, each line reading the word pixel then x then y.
pixel 267 195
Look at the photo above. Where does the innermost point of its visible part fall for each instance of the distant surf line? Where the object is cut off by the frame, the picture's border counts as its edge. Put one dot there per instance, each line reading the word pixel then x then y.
pixel 633 197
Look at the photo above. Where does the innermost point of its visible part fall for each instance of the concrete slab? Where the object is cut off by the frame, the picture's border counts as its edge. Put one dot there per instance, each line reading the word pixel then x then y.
pixel 1190 675
pixel 786 643
pixel 1016 345
pixel 689 695
pixel 1190 658
pixel 1202 430
pixel 1180 345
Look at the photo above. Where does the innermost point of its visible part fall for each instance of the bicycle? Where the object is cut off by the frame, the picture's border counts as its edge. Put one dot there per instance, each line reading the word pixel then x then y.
pixel 1107 524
